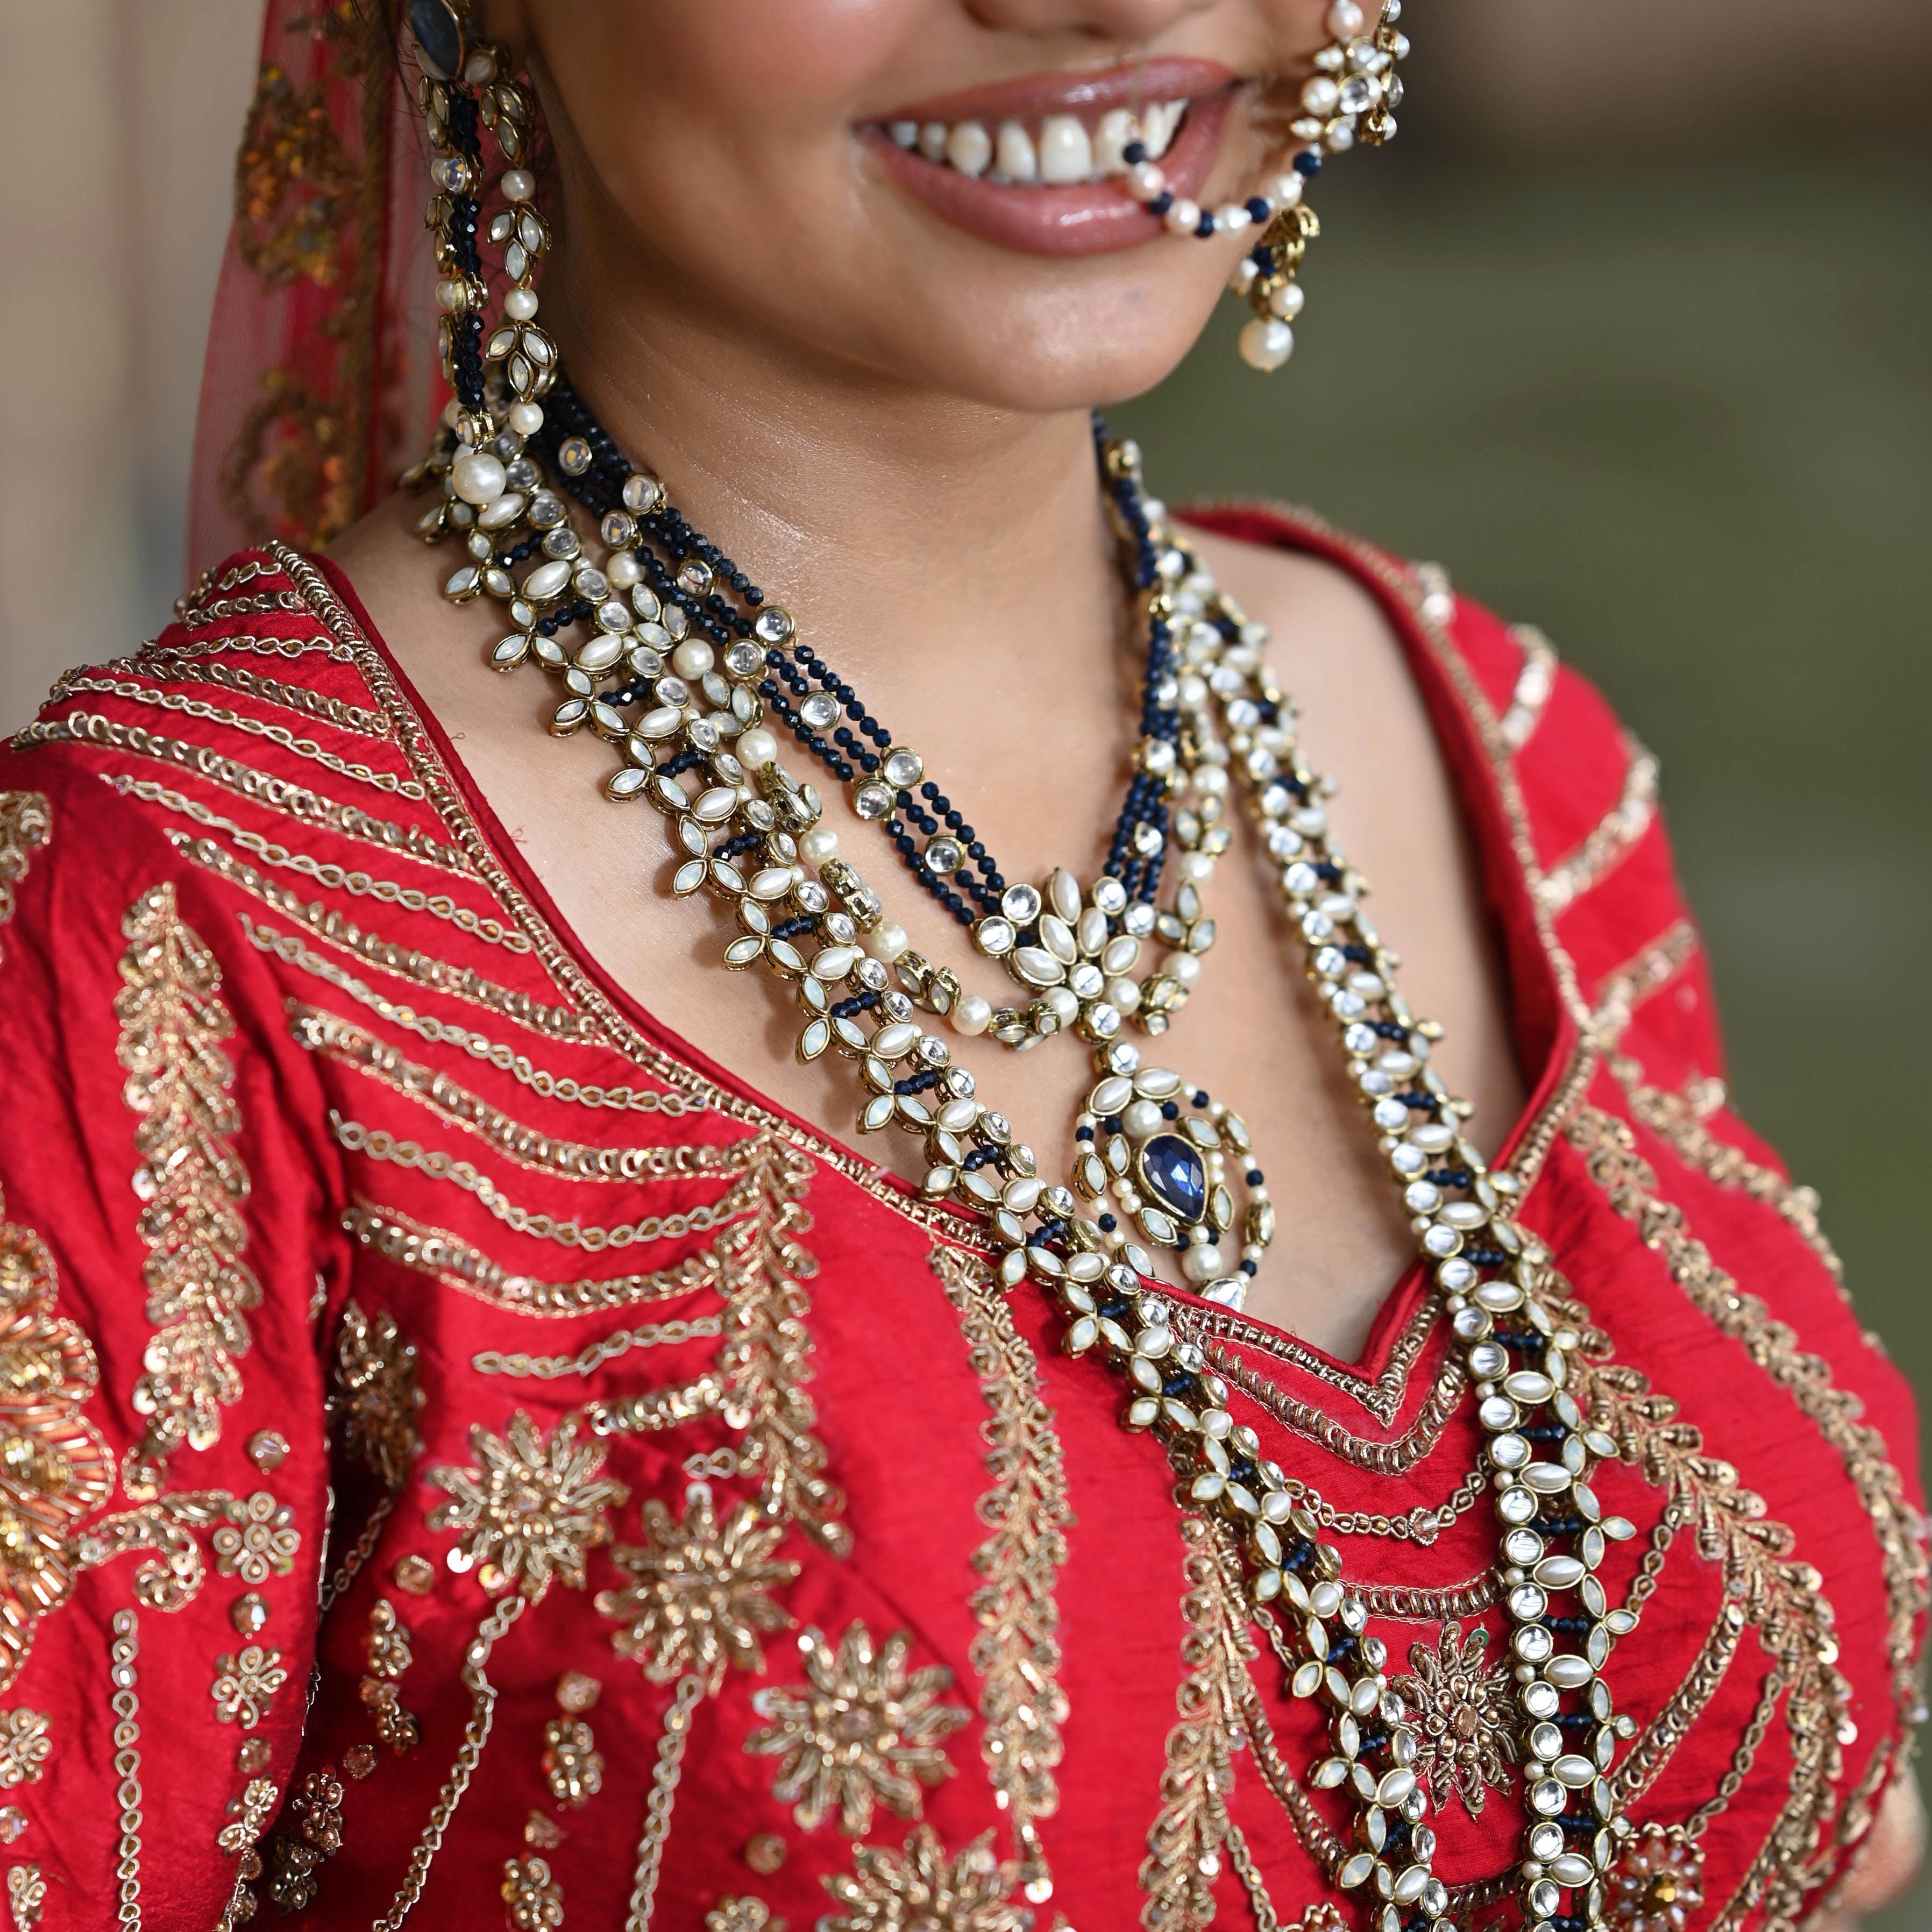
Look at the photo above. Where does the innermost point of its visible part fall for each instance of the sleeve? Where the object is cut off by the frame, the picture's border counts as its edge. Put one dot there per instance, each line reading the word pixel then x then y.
pixel 163 1445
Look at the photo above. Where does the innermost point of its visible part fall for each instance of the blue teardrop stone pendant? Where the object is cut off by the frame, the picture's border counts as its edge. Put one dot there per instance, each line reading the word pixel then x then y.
pixel 1174 1173
pixel 439 35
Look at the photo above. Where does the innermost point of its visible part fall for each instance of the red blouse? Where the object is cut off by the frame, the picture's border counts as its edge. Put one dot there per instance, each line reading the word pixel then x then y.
pixel 700 1538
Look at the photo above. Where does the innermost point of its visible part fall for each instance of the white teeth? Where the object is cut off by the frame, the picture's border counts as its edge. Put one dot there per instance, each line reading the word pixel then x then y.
pixel 1115 130
pixel 970 147
pixel 1063 153
pixel 1014 156
pixel 1066 154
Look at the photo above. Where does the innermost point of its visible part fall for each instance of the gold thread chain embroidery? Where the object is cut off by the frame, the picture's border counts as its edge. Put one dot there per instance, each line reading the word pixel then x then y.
pixel 378 1144
pixel 1609 842
pixel 550 1086
pixel 665 1775
pixel 26 824
pixel 291 648
pixel 351 718
pixel 593 1355
pixel 1534 684
pixel 237 721
pixel 1644 972
pixel 190 1183
pixel 126 1704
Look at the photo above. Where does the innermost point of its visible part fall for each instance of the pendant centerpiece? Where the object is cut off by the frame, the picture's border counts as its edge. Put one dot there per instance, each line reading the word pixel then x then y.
pixel 1173 1171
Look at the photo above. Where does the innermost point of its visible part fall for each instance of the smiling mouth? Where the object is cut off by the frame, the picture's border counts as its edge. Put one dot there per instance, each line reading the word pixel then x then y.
pixel 1063 150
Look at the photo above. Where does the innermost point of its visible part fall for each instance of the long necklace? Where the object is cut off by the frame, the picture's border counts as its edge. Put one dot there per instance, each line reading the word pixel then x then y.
pixel 741 834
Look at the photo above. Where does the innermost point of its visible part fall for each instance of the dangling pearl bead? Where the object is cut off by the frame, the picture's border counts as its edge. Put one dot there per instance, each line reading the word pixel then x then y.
pixel 1202 1263
pixel 756 748
pixel 477 477
pixel 1287 300
pixel 527 419
pixel 520 304
pixel 819 844
pixel 971 1014
pixel 623 569
pixel 1267 342
pixel 692 659
pixel 890 940
pixel 519 185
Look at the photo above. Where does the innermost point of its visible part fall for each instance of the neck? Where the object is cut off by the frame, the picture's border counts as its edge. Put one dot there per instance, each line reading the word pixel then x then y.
pixel 913 534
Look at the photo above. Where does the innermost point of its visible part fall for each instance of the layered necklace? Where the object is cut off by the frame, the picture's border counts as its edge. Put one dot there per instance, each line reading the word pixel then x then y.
pixel 661 646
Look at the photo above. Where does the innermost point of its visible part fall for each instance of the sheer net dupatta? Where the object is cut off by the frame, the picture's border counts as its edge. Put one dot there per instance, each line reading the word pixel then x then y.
pixel 320 380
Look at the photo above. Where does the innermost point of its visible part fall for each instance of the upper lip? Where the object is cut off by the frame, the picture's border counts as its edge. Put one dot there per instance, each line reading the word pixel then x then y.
pixel 1169 77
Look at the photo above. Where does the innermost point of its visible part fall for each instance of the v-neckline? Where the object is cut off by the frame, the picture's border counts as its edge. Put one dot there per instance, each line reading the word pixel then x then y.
pixel 1465 727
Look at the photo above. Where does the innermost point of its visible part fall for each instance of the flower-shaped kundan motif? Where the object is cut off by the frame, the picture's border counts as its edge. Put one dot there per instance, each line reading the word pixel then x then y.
pixel 55 1467
pixel 920 1889
pixel 375 1397
pixel 530 1508
pixel 24 1745
pixel 1462 1709
pixel 698 1595
pixel 244 1684
pixel 572 1762
pixel 863 1730
pixel 259 1536
pixel 534 1899
pixel 1656 1884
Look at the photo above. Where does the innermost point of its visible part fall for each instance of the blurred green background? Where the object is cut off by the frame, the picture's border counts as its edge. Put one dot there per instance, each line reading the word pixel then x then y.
pixel 1681 417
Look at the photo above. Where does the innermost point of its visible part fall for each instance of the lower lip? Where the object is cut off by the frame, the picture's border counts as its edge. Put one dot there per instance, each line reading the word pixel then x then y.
pixel 1088 218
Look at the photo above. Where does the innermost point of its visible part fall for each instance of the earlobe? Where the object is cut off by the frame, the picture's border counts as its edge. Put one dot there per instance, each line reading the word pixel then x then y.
pixel 507 24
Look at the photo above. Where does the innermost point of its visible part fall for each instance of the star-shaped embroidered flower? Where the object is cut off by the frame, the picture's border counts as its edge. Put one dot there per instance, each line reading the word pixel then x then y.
pixel 529 1508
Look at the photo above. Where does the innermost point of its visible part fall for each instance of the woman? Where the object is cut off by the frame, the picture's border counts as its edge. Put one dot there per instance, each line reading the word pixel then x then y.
pixel 1211 1446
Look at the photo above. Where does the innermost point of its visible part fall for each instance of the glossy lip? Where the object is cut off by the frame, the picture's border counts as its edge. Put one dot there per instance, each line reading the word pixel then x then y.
pixel 1087 217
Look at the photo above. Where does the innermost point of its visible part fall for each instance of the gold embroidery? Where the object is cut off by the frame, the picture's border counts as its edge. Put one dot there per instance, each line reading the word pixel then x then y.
pixel 259 1536
pixel 1466 1741
pixel 375 1397
pixel 1647 972
pixel 315 1815
pixel 593 1355
pixel 24 1746
pixel 74 681
pixel 1679 1119
pixel 1609 1148
pixel 571 1762
pixel 1646 1758
pixel 742 1915
pixel 163 1532
pixel 190 1183
pixel 245 1683
pixel 177 664
pixel 863 1730
pixel 196 649
pixel 533 1899
pixel 26 824
pixel 282 795
pixel 923 1888
pixel 1534 684
pixel 56 1468
pixel 505 1060
pixel 1609 842
pixel 1657 1884
pixel 530 1508
pixel 454 1262
pixel 351 1045
pixel 1016 1649
pixel 26 1893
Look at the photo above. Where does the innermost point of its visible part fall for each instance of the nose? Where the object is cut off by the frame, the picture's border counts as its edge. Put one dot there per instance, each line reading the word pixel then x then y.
pixel 1110 20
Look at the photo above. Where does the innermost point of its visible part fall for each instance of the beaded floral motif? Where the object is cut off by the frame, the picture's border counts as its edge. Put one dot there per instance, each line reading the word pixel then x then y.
pixel 375 1398
pixel 26 824
pixel 742 1914
pixel 1460 1703
pixel 191 1184
pixel 1657 1885
pixel 572 1762
pixel 26 1893
pixel 923 1888
pixel 244 1684
pixel 55 1467
pixel 258 1536
pixel 699 1593
pixel 530 1508
pixel 24 1746
pixel 532 1898
pixel 315 1836
pixel 863 1730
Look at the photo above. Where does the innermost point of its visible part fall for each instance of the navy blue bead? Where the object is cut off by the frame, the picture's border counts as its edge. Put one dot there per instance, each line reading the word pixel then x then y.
pixel 1308 162
pixel 1161 203
pixel 1205 227
pixel 1259 210
pixel 1133 153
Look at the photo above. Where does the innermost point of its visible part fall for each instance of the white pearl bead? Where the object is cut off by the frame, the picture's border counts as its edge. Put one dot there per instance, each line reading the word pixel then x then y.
pixel 1231 217
pixel 889 940
pixel 1320 95
pixel 1286 192
pixel 1144 181
pixel 1185 966
pixel 1182 217
pixel 1203 1263
pixel 623 569
pixel 819 844
pixel 519 185
pixel 1125 993
pixel 1063 1000
pixel 692 659
pixel 527 419
pixel 1287 300
pixel 1267 342
pixel 971 1014
pixel 520 304
pixel 1346 20
pixel 756 748
pixel 1141 1118
pixel 477 477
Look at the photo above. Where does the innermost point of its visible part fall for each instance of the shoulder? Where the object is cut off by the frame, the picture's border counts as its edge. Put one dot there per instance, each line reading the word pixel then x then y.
pixel 1573 793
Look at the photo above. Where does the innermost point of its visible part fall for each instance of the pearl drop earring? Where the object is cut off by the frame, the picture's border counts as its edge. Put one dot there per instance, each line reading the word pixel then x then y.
pixel 1348 98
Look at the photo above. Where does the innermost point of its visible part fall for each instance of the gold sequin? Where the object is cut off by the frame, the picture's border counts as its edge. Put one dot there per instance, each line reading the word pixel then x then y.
pixel 26 824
